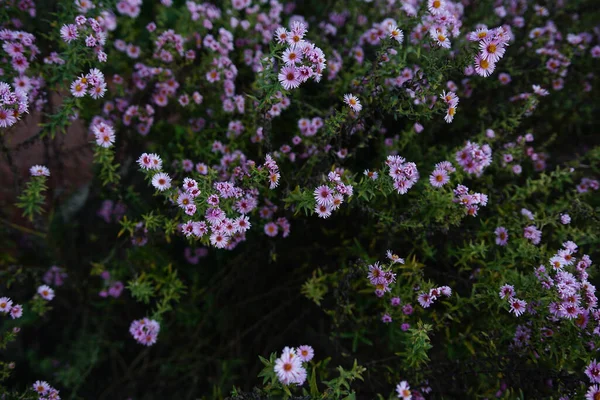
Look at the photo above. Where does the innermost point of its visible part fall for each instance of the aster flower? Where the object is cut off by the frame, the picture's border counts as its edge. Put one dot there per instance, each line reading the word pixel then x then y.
pixel 16 311
pixel 440 37
pixel 289 368
pixel 46 292
pixel 323 211
pixel 5 305
pixel 39 170
pixel 323 195
pixel 438 178
pixel 161 181
pixel 593 393
pixel 483 67
pixel 396 33
pixel 593 371
pixel 507 291
pixel 41 387
pixel 305 353
pixel 403 391
pixel 517 306
pixel 491 50
pixel 145 331
pixel 289 77
pixel 271 229
pixel 501 236
pixel 353 102
pixel 394 258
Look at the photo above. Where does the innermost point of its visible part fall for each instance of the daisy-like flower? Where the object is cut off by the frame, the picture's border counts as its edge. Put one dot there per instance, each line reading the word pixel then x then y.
pixel 41 387
pixel 593 393
pixel 483 67
pixel 161 181
pixel 593 371
pixel 507 291
pixel 282 35
pixel 537 89
pixel 440 37
pixel 46 292
pixel 16 311
pixel 501 236
pixel 78 89
pixel 373 175
pixel 5 305
pixel 7 118
pixel 271 229
pixel 323 195
pixel 517 306
pixel 289 77
pixel 396 33
pixel 274 179
pixel 491 50
pixel 450 113
pixel 323 211
pixel 439 177
pixel 39 170
pixel 68 33
pixel 504 78
pixel 105 134
pixel 436 7
pixel 353 102
pixel 394 257
pixel 291 56
pixel 305 353
pixel 403 391
pixel 425 300
pixel 288 367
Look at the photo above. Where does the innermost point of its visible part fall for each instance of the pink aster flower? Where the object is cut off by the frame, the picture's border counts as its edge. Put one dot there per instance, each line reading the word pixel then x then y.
pixel 323 210
pixel 46 292
pixel 68 33
pixel 483 67
pixel 289 368
pixel 145 331
pixel 41 387
pixel 5 305
pixel 16 311
pixel 161 181
pixel 39 170
pixel 593 393
pixel 593 371
pixel 289 77
pixel 507 291
pixel 517 306
pixel 491 50
pixel 323 195
pixel 353 102
pixel 271 229
pixel 438 178
pixel 305 353
pixel 425 300
pixel 403 391
pixel 501 236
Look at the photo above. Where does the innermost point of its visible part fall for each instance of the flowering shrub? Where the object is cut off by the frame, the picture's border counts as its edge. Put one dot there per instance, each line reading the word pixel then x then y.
pixel 274 199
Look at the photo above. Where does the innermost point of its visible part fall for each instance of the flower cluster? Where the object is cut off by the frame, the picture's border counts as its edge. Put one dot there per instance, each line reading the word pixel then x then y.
pixel 302 59
pixel 451 100
pixel 7 307
pixel 45 391
pixel 426 299
pixel 474 158
pixel 532 233
pixel 289 367
pixel 471 201
pixel 330 197
pixel 93 31
pixel 517 306
pixel 492 46
pixel 404 174
pixel 381 278
pixel 92 83
pixel 104 134
pixel 12 105
pixel 112 288
pixel 145 331
pixel 55 276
